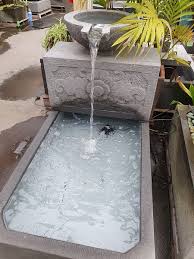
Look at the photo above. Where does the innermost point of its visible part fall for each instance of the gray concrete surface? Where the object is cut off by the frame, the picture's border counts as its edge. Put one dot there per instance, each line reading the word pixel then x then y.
pixel 62 3
pixel 182 184
pixel 39 6
pixel 25 51
pixel 9 140
pixel 123 87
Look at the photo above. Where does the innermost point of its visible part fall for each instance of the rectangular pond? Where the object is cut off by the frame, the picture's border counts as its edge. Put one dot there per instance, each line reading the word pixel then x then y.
pixel 71 195
pixel 64 202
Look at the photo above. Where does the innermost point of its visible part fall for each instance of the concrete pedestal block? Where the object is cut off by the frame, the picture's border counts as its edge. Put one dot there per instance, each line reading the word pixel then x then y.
pixel 124 88
pixel 39 6
pixel 182 184
pixel 62 3
pixel 58 3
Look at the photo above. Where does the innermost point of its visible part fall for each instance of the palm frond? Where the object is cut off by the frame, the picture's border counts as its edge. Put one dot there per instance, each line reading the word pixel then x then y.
pixel 172 55
pixel 183 34
pixel 183 87
pixel 144 27
pixel 191 90
pixel 174 10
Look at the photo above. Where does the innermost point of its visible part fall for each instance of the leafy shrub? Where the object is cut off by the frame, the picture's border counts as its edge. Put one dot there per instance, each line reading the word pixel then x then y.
pixel 155 23
pixel 12 5
pixel 57 32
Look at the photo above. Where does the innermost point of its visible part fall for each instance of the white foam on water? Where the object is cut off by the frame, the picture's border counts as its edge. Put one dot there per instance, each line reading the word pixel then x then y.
pixel 90 146
pixel 65 196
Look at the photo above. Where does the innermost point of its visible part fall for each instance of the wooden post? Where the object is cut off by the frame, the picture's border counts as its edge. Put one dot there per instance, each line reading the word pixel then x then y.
pixel 79 5
pixel 82 5
pixel 89 4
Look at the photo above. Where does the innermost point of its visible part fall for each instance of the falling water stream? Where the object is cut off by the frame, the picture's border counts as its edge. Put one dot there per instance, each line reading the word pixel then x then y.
pixel 94 37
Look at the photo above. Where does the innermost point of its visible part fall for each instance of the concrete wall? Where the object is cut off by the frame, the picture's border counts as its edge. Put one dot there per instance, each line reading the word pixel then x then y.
pixel 182 189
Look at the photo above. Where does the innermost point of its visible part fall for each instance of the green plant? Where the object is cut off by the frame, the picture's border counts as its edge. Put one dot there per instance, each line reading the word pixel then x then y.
pixel 104 3
pixel 14 4
pixel 100 2
pixel 155 23
pixel 189 92
pixel 9 6
pixel 57 32
pixel 135 1
pixel 24 2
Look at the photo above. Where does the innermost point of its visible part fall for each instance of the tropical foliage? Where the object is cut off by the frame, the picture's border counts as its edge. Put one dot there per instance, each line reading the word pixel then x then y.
pixel 104 3
pixel 188 91
pixel 155 23
pixel 57 32
pixel 11 6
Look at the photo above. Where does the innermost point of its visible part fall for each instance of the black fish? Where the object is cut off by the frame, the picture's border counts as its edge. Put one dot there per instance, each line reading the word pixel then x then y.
pixel 107 129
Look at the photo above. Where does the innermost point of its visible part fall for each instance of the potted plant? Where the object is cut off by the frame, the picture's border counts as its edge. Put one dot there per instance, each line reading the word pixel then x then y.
pixel 180 152
pixel 13 11
pixel 189 115
pixel 181 165
pixel 57 32
pixel 158 24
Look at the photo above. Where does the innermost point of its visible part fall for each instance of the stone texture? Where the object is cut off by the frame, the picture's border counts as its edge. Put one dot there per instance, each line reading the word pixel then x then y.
pixel 39 6
pixel 63 3
pixel 123 87
pixel 187 139
pixel 79 24
pixel 182 185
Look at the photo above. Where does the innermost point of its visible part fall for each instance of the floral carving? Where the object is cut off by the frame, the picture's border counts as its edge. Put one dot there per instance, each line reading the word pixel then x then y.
pixel 59 87
pixel 118 88
pixel 101 89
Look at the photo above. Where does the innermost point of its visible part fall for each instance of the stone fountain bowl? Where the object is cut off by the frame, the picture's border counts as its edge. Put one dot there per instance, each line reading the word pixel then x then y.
pixel 79 24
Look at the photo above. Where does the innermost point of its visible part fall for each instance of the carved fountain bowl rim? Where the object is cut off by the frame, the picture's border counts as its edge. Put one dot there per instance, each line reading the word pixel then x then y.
pixel 71 17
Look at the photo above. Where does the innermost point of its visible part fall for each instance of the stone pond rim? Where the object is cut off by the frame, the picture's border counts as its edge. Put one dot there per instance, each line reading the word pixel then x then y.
pixel 79 24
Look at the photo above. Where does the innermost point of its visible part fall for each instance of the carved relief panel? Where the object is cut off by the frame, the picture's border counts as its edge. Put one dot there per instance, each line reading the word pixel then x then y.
pixel 111 87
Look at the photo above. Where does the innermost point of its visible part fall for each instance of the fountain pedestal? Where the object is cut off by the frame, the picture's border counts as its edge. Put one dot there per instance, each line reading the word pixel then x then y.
pixel 124 88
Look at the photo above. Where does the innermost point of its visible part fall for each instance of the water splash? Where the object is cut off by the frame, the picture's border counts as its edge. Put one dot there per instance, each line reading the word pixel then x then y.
pixel 94 38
